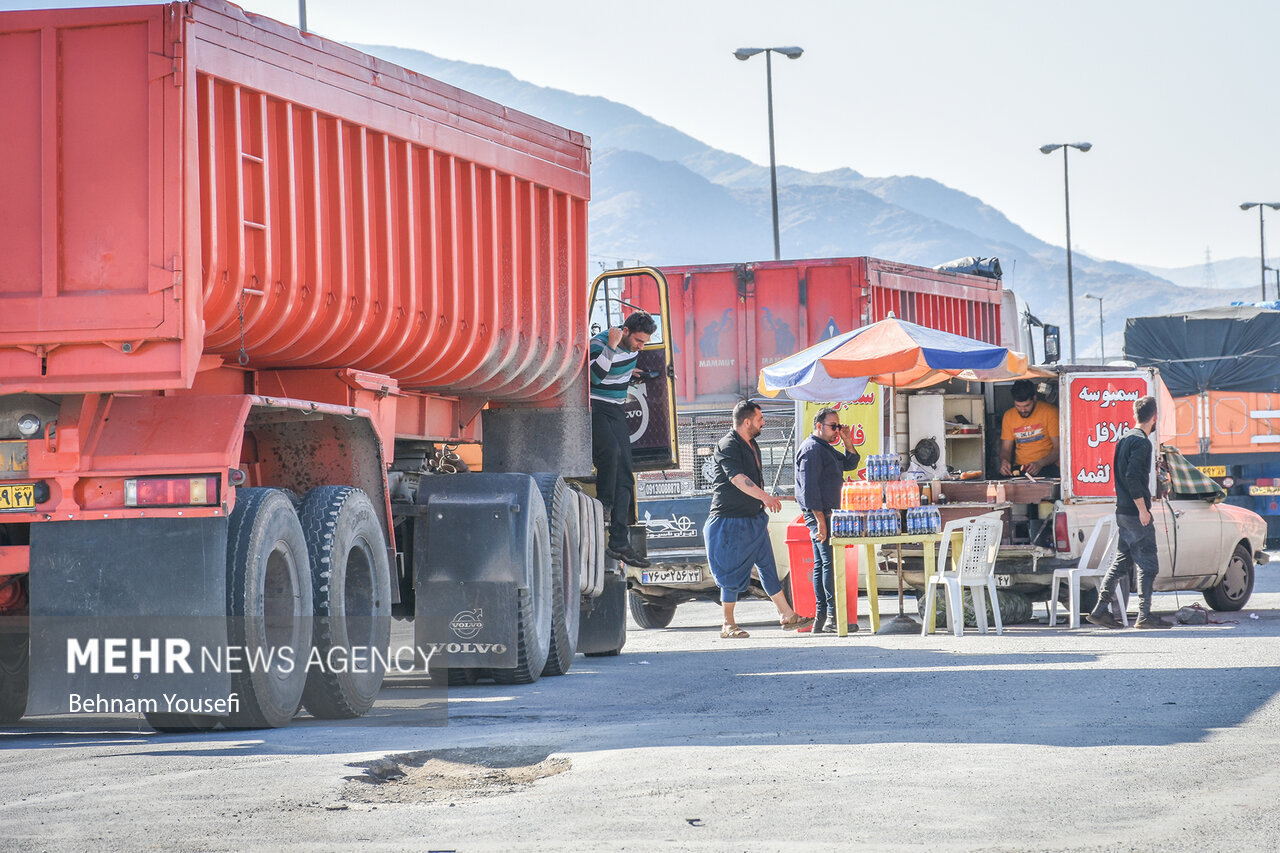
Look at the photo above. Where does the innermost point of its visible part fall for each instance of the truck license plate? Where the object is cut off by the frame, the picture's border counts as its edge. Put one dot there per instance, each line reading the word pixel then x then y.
pixel 1003 581
pixel 1213 470
pixel 17 496
pixel 671 576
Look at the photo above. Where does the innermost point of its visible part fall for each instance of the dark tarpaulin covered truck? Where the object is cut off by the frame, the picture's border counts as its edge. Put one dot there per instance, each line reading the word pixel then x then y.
pixel 256 287
pixel 1220 365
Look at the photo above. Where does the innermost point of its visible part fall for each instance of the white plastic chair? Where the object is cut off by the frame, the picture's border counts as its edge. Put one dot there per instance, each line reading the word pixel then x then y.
pixel 1099 552
pixel 975 569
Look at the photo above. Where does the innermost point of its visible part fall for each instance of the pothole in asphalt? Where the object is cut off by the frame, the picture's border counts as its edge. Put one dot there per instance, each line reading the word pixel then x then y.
pixel 450 774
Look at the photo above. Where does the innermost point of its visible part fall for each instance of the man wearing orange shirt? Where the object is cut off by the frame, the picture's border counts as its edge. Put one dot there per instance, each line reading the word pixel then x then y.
pixel 1029 434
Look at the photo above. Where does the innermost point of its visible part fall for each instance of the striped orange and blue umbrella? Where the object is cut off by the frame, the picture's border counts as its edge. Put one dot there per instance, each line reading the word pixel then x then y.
pixel 891 352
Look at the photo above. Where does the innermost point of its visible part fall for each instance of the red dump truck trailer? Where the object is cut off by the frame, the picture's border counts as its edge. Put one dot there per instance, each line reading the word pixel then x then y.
pixel 256 288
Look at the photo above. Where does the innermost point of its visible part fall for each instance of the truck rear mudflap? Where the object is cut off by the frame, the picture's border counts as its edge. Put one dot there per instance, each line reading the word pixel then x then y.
pixel 130 616
pixel 482 573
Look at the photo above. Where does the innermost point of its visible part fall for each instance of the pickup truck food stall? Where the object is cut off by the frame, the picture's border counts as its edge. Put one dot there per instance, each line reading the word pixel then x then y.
pixel 1204 544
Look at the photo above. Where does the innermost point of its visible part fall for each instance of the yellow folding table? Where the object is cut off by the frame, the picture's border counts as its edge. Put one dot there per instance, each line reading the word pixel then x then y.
pixel 869 545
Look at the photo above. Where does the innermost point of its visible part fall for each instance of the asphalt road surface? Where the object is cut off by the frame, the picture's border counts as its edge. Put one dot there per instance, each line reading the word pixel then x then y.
pixel 1041 739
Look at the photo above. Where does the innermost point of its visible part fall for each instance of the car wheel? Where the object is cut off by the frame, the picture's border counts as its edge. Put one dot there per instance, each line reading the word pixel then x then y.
pixel 649 614
pixel 1233 591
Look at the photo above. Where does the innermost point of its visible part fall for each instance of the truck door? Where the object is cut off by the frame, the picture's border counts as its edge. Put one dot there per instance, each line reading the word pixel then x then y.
pixel 651 402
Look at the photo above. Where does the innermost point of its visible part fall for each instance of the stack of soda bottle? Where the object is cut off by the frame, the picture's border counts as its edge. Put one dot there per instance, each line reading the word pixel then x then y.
pixel 923 519
pixel 873 508
pixel 884 466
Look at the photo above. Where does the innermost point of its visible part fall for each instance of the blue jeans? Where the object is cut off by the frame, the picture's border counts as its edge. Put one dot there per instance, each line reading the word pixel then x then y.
pixel 824 572
pixel 1137 548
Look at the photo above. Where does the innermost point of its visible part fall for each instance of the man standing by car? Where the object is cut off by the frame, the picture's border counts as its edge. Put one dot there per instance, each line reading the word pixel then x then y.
pixel 819 474
pixel 737 531
pixel 1132 467
pixel 613 354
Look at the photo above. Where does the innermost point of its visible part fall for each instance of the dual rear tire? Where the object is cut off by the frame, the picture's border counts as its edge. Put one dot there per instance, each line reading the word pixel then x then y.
pixel 297 578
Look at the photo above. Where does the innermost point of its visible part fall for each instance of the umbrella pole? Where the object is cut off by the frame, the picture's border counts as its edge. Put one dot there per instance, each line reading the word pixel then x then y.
pixel 902 623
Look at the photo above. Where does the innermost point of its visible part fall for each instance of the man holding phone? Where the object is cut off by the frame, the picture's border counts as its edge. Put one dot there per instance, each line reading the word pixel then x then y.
pixel 612 355
pixel 820 471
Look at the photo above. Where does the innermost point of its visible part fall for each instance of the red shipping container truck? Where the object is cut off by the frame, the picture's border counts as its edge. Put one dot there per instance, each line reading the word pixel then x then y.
pixel 256 287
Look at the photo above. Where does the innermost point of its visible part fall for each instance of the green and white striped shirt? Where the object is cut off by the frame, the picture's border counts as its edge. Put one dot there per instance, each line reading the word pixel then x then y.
pixel 610 370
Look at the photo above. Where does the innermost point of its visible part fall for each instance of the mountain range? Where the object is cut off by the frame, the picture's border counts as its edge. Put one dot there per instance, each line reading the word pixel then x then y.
pixel 661 197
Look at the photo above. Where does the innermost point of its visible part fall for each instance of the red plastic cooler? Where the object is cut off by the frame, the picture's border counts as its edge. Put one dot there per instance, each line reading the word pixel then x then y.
pixel 800 555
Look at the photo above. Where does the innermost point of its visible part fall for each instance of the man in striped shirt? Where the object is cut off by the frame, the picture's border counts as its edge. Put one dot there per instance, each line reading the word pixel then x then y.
pixel 613 355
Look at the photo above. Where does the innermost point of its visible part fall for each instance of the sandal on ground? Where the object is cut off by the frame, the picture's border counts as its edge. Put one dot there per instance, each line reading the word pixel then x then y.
pixel 795 621
pixel 733 632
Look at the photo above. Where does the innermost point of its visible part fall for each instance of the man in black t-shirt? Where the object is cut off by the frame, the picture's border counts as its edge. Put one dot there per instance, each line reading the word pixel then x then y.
pixel 737 531
pixel 1132 467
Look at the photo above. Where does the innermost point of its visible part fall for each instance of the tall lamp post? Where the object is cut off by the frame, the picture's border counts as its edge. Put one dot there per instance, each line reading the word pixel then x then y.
pixel 745 53
pixel 1066 189
pixel 1262 238
pixel 1102 339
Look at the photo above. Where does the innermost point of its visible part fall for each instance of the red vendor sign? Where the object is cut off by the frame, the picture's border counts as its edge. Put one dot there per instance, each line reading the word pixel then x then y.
pixel 1101 412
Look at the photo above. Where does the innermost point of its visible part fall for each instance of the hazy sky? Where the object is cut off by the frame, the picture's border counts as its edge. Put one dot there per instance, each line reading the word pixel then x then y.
pixel 1178 97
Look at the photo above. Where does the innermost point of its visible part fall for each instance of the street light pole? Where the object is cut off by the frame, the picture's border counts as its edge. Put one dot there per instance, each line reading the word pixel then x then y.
pixel 1066 191
pixel 1262 237
pixel 745 53
pixel 1102 338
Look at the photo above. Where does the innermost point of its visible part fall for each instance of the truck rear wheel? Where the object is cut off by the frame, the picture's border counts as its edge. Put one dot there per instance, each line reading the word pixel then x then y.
pixel 533 629
pixel 648 614
pixel 15 667
pixel 268 608
pixel 1233 591
pixel 352 601
pixel 562 522
pixel 591 553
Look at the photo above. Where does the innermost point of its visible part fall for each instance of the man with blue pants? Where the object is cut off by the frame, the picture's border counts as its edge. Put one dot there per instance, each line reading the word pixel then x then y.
pixel 737 531
pixel 820 471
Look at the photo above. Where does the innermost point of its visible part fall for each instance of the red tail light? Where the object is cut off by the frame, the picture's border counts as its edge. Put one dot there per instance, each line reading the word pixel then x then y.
pixel 1061 536
pixel 171 491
